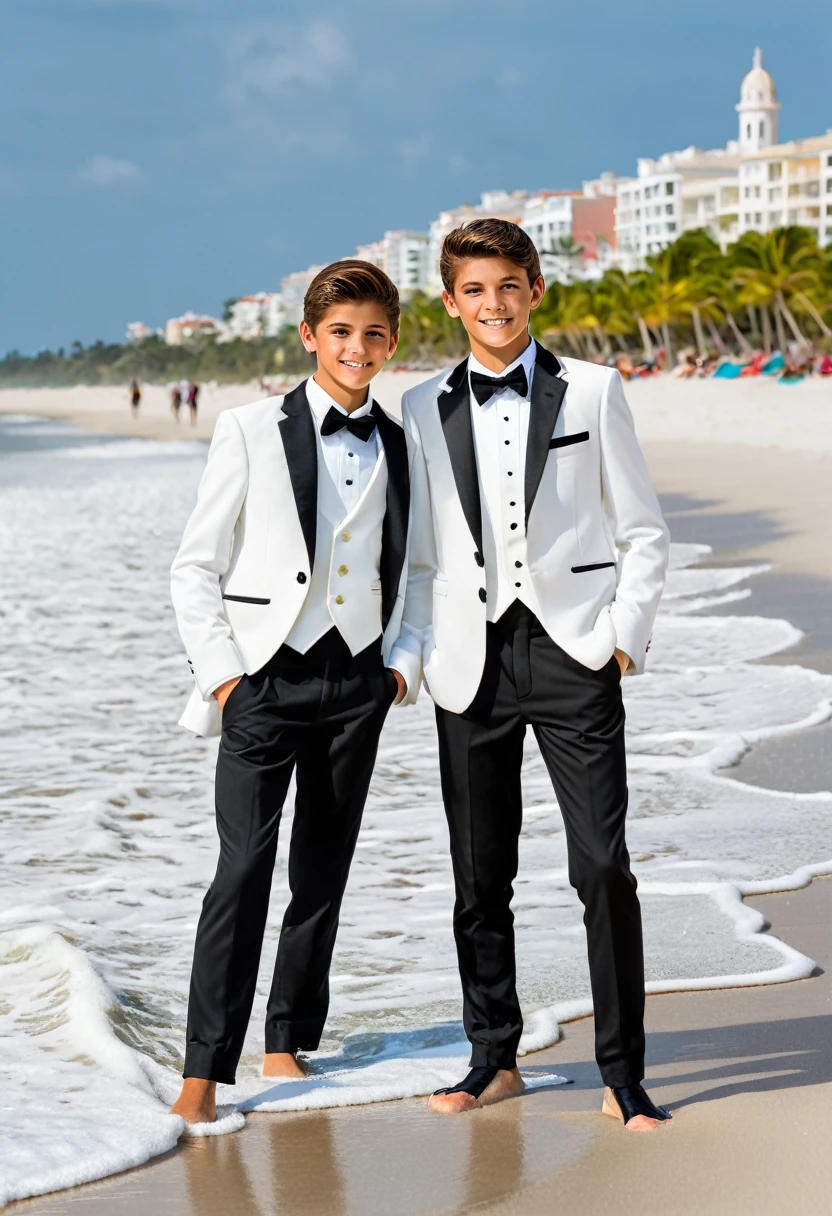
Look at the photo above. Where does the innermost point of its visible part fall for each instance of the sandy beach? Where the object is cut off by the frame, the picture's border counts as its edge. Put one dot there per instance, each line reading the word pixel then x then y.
pixel 746 468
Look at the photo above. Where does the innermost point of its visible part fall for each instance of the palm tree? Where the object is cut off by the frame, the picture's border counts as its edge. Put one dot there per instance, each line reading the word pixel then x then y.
pixel 772 267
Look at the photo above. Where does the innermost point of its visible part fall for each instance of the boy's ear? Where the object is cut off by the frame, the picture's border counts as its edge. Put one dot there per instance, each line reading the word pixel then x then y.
pixel 394 342
pixel 538 291
pixel 307 337
pixel 450 303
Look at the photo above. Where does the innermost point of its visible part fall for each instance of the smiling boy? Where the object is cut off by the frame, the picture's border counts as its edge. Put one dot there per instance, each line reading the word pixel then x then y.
pixel 537 554
pixel 288 589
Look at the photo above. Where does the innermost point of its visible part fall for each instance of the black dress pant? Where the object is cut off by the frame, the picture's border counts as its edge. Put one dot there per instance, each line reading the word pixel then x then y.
pixel 578 719
pixel 321 713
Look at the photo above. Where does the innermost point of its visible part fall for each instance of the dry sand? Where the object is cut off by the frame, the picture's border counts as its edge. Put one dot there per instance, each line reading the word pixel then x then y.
pixel 759 413
pixel 747 1072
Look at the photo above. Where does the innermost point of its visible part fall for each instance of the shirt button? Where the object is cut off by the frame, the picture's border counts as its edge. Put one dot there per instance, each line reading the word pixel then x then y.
pixel 483 595
pixel 505 419
pixel 345 536
pixel 342 570
pixel 351 455
pixel 511 474
pixel 507 442
pixel 518 584
pixel 512 504
pixel 513 526
pixel 349 482
pixel 519 565
pixel 339 599
pixel 301 577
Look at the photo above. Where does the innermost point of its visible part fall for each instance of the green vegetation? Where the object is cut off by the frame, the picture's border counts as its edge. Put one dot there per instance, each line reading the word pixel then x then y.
pixel 767 290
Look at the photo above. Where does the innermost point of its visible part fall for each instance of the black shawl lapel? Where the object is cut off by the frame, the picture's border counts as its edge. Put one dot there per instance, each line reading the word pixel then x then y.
pixel 548 390
pixel 297 430
pixel 455 413
pixel 394 528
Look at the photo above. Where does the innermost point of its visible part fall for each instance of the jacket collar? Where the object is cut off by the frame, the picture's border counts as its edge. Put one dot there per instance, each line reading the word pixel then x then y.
pixel 454 403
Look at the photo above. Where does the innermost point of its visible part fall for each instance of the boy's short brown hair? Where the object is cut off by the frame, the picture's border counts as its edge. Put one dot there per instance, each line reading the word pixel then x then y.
pixel 487 239
pixel 350 281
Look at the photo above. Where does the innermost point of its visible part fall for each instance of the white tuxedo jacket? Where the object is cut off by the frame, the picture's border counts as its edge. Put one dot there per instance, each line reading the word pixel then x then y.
pixel 244 566
pixel 596 542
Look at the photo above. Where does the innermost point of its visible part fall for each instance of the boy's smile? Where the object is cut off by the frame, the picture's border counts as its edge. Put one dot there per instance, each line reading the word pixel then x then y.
pixel 493 298
pixel 352 342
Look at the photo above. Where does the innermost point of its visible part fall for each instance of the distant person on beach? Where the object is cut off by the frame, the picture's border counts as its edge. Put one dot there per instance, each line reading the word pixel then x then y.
pixel 529 609
pixel 292 624
pixel 135 397
pixel 193 394
pixel 175 400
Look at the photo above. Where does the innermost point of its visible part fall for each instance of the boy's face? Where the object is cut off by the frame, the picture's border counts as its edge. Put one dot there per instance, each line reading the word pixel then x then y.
pixel 493 298
pixel 352 343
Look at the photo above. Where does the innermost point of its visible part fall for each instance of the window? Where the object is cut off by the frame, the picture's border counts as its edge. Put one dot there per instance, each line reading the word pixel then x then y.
pixel 775 171
pixel 669 187
pixel 747 192
pixel 762 129
pixel 671 227
pixel 668 208
pixel 758 217
pixel 775 218
pixel 748 131
pixel 829 161
pixel 775 193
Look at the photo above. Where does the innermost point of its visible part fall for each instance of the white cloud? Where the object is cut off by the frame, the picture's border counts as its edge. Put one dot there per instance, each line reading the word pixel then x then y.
pixel 268 57
pixel 103 170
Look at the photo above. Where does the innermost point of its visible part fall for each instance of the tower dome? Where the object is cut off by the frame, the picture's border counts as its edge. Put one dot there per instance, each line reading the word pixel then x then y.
pixel 758 108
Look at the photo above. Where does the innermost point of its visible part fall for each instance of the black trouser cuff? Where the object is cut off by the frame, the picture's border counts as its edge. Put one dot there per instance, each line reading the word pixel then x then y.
pixel 484 1055
pixel 622 1073
pixel 302 1035
pixel 209 1064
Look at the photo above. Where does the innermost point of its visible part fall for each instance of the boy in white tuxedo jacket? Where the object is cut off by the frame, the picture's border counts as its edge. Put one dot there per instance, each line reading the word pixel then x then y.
pixel 537 559
pixel 288 588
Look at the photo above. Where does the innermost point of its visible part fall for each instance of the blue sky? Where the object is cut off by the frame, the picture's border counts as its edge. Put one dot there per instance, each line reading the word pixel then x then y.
pixel 158 155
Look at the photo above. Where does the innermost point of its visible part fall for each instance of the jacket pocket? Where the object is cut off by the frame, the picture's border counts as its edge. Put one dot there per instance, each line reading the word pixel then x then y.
pixel 592 566
pixel 245 599
pixel 564 441
pixel 376 587
pixel 440 585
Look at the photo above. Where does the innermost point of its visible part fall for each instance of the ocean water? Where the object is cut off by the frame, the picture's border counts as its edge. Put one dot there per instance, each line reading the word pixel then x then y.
pixel 109 843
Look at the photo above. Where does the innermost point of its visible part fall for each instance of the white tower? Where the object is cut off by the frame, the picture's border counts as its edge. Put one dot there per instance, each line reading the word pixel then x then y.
pixel 758 107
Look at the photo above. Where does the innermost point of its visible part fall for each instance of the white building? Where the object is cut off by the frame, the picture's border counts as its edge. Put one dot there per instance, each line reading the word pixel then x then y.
pixel 137 331
pixel 404 256
pixel 788 184
pixel 292 289
pixel 191 325
pixel 718 189
pixel 573 230
pixel 261 315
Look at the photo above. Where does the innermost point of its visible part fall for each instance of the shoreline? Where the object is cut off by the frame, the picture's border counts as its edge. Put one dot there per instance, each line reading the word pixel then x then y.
pixel 748 413
pixel 519 1156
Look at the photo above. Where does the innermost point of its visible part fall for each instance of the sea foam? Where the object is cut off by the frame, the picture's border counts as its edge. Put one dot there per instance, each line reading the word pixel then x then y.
pixel 109 840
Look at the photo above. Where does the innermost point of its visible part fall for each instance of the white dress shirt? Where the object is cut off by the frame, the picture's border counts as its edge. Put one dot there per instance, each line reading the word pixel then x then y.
pixel 350 461
pixel 346 468
pixel 501 429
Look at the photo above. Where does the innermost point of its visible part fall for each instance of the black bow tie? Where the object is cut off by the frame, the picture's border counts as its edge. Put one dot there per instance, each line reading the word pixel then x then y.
pixel 335 421
pixel 484 387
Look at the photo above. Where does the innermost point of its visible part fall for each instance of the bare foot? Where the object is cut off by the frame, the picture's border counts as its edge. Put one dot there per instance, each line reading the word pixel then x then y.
pixel 282 1064
pixel 197 1102
pixel 507 1084
pixel 638 1123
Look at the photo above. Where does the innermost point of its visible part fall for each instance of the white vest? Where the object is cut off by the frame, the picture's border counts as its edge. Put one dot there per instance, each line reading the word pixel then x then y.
pixel 342 566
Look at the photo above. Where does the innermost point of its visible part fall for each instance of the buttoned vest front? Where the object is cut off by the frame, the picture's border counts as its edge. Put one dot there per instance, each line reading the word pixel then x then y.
pixel 345 587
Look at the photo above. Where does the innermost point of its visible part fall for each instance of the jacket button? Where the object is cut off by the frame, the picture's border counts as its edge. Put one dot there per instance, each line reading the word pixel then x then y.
pixel 483 595
pixel 339 599
pixel 301 577
pixel 345 536
pixel 342 570
pixel 479 559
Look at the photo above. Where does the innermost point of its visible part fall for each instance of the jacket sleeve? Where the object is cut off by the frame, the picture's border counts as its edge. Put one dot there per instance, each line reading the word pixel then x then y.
pixel 203 559
pixel 421 562
pixel 639 531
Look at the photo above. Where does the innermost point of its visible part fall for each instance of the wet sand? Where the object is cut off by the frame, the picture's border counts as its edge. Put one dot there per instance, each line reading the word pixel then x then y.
pixel 747 1072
